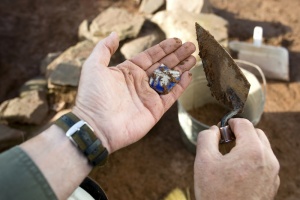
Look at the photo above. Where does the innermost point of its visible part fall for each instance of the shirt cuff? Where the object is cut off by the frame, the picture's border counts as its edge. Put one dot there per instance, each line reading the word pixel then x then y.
pixel 20 178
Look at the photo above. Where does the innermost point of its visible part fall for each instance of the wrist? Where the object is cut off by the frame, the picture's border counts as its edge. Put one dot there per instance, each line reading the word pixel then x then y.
pixel 90 119
pixel 58 159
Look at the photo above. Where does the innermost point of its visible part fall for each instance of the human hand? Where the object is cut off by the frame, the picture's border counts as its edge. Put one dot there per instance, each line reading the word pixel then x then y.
pixel 117 101
pixel 248 171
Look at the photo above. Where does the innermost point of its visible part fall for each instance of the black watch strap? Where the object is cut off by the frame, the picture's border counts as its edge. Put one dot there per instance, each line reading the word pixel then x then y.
pixel 84 138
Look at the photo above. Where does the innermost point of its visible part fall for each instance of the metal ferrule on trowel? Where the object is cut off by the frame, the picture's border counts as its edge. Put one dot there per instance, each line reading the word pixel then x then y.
pixel 226 81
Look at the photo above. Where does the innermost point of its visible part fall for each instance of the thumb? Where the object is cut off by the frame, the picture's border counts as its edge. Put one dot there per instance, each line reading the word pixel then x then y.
pixel 105 49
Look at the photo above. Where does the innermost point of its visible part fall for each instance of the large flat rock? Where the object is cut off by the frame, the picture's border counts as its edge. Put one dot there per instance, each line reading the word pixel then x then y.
pixel 181 24
pixel 65 70
pixel 126 24
pixel 31 108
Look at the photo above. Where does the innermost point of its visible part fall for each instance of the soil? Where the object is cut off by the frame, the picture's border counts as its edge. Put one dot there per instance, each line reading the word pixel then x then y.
pixel 158 163
pixel 208 114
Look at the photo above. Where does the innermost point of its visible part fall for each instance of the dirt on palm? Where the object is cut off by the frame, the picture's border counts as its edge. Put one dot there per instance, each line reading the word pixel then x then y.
pixel 158 163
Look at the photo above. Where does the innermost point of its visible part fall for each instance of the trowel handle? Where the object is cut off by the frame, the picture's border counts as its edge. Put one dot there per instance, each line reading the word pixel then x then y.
pixel 227 141
pixel 226 135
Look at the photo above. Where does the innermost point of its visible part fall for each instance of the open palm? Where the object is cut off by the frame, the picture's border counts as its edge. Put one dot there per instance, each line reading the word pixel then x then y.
pixel 118 101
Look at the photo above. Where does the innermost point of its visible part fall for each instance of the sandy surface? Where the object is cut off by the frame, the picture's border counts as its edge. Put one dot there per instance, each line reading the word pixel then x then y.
pixel 158 163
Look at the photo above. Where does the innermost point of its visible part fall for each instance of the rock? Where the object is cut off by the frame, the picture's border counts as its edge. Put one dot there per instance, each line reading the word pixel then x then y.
pixel 47 60
pixel 138 45
pixel 150 35
pixel 65 70
pixel 150 6
pixel 31 108
pixel 83 30
pixel 181 24
pixel 10 137
pixel 63 75
pixel 38 83
pixel 3 106
pixel 137 2
pixel 127 25
pixel 67 73
pixel 206 8
pixel 194 6
pixel 61 97
pixel 164 79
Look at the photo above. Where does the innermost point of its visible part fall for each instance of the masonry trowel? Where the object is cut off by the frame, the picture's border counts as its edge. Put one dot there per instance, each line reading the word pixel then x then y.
pixel 227 83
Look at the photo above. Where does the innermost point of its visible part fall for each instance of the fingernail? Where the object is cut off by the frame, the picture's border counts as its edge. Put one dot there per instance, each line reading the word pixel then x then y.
pixel 113 33
pixel 177 40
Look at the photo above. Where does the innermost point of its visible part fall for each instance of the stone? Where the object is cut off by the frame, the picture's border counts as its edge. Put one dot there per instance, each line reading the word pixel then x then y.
pixel 10 137
pixel 138 45
pixel 47 60
pixel 194 6
pixel 63 75
pixel 38 83
pixel 164 79
pixel 150 6
pixel 207 7
pixel 83 31
pixel 66 73
pixel 65 70
pixel 31 108
pixel 181 24
pixel 137 2
pixel 150 35
pixel 61 97
pixel 126 24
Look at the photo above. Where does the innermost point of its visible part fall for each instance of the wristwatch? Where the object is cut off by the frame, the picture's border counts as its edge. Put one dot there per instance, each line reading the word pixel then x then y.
pixel 83 136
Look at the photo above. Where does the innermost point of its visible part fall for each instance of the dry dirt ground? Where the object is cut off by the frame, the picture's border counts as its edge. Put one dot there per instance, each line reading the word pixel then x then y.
pixel 152 167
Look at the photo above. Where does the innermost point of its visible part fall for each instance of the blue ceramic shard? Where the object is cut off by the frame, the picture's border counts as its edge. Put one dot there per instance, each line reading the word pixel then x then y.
pixel 164 79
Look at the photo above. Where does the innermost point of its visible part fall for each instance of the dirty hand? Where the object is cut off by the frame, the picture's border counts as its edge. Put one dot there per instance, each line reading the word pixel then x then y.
pixel 117 101
pixel 248 171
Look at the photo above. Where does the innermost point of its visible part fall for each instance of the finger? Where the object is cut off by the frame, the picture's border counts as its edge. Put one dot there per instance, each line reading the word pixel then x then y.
pixel 263 138
pixel 169 99
pixel 186 64
pixel 105 49
pixel 276 186
pixel 183 66
pixel 151 69
pixel 183 52
pixel 150 56
pixel 277 182
pixel 243 130
pixel 208 143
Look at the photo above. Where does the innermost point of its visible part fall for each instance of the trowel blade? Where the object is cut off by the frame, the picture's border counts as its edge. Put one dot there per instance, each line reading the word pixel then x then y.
pixel 226 81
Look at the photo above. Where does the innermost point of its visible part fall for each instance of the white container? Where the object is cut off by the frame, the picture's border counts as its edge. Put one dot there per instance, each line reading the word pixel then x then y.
pixel 198 94
pixel 274 61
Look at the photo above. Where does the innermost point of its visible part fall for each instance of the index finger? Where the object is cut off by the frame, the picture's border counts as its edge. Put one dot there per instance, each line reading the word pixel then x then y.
pixel 150 56
pixel 243 130
pixel 208 143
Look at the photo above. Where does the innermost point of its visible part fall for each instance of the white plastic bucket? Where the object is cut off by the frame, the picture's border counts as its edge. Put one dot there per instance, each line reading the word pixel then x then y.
pixel 198 94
